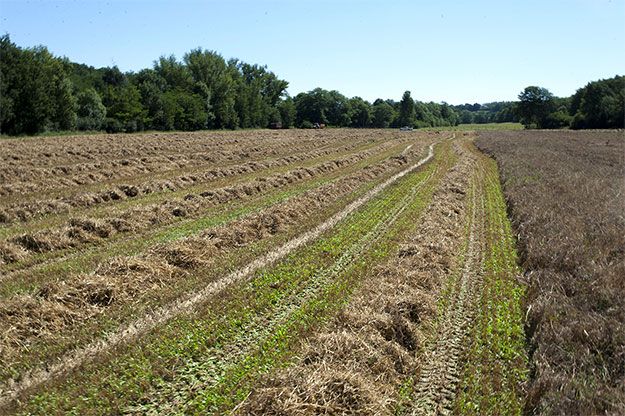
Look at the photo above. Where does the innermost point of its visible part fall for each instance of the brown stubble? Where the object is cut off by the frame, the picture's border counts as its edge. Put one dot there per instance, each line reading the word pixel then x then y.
pixel 566 196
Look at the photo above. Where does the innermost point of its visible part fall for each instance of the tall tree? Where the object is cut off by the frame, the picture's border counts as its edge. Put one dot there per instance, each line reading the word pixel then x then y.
pixel 382 114
pixel 287 111
pixel 312 106
pixel 90 110
pixel 123 108
pixel 176 74
pixel 183 111
pixel 359 112
pixel 338 109
pixel 406 110
pixel 210 70
pixel 535 105
pixel 152 86
pixel 64 116
pixel 448 114
pixel 600 104
pixel 36 94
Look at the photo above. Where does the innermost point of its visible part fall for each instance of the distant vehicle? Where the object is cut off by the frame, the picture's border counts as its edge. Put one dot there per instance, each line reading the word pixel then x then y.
pixel 319 126
pixel 406 128
pixel 275 126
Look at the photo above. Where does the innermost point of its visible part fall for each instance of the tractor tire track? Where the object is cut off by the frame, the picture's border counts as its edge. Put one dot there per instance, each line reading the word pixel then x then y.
pixel 12 390
pixel 435 389
pixel 230 354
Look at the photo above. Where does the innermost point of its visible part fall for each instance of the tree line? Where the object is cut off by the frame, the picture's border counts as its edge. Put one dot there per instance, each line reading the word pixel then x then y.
pixel 598 105
pixel 41 93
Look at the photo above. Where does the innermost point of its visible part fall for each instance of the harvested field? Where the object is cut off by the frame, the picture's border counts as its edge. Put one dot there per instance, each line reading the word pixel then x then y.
pixel 77 231
pixel 79 161
pixel 172 181
pixel 565 191
pixel 258 272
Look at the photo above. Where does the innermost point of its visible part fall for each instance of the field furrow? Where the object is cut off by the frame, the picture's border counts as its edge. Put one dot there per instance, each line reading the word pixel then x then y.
pixel 125 286
pixel 137 159
pixel 212 381
pixel 401 344
pixel 364 360
pixel 235 286
pixel 435 389
pixel 215 202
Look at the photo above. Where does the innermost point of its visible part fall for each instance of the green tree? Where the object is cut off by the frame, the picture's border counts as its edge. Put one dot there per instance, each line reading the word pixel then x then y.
pixel 423 115
pixel 84 77
pixel 253 107
pixel 466 117
pixel 359 112
pixel 90 110
pixel 312 106
pixel 338 109
pixel 209 69
pixel 151 87
pixel 407 110
pixel 322 106
pixel 183 111
pixel 382 114
pixel 535 105
pixel 35 94
pixel 287 111
pixel 64 116
pixel 123 104
pixel 449 115
pixel 176 74
pixel 599 104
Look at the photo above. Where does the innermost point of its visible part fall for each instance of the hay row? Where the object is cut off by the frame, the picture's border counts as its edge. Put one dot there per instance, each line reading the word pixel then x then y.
pixel 67 151
pixel 29 176
pixel 25 211
pixel 53 309
pixel 359 362
pixel 80 231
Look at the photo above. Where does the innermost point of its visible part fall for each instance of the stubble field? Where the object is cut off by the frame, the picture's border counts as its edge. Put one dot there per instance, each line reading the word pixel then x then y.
pixel 261 272
pixel 566 196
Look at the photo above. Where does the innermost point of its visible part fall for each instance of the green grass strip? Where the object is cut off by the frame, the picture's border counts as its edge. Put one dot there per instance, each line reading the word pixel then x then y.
pixel 496 360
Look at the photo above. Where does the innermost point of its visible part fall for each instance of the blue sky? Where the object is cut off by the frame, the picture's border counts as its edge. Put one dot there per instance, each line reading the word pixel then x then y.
pixel 453 51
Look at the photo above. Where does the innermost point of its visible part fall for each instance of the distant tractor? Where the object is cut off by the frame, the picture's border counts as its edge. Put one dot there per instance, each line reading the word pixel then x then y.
pixel 319 126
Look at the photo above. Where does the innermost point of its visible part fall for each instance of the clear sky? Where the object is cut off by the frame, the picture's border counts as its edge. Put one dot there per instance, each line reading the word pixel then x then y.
pixel 453 51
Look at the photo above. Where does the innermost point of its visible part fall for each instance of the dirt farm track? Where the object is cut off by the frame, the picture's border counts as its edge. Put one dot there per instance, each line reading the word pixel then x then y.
pixel 336 271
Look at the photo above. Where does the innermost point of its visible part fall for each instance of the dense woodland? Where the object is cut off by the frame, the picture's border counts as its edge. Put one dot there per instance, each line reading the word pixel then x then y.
pixel 43 93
